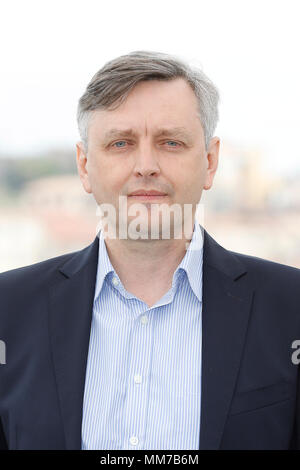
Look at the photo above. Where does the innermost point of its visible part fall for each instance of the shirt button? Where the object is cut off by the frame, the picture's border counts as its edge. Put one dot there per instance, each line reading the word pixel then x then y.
pixel 144 319
pixel 133 440
pixel 138 379
pixel 115 281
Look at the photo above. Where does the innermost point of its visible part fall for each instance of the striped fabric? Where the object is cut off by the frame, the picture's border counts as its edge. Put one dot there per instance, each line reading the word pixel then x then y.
pixel 143 377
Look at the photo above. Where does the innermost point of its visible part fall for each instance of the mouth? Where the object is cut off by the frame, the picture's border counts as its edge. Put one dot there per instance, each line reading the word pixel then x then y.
pixel 144 195
pixel 147 197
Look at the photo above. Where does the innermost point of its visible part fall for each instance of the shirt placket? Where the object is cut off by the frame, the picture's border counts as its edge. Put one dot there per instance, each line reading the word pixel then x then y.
pixel 137 390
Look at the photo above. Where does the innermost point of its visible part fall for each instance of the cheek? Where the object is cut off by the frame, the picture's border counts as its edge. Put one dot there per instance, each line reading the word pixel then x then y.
pixel 106 179
pixel 192 185
pixel 190 175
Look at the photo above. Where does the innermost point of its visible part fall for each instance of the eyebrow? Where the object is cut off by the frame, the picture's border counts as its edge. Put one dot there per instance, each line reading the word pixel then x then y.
pixel 180 132
pixel 115 133
pixel 162 132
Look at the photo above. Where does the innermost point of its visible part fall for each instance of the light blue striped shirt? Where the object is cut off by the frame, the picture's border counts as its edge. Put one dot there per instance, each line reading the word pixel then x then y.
pixel 143 377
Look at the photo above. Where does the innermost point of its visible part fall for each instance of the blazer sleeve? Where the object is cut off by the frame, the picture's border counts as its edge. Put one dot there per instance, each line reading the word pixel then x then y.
pixel 3 443
pixel 295 441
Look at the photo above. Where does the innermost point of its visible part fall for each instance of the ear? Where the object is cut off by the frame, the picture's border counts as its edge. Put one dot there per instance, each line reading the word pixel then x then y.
pixel 82 167
pixel 212 159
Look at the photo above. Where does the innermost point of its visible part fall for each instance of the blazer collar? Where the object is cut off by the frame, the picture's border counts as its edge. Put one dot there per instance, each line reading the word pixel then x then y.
pixel 227 296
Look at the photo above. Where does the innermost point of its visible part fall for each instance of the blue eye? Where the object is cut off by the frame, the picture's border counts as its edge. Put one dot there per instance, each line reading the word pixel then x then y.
pixel 119 142
pixel 172 142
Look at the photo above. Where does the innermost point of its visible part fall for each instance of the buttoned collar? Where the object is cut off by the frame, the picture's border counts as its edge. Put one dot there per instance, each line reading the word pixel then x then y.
pixel 191 263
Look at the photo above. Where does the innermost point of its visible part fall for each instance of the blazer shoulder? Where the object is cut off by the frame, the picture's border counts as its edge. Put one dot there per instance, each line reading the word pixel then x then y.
pixel 267 269
pixel 39 271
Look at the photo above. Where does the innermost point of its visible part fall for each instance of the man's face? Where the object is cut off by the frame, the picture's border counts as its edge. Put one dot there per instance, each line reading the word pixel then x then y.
pixel 154 140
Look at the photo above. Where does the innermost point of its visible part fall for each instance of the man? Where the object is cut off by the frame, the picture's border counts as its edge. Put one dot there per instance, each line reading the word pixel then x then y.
pixel 150 341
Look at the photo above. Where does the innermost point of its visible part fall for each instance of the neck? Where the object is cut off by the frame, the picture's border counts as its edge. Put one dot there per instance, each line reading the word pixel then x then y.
pixel 138 261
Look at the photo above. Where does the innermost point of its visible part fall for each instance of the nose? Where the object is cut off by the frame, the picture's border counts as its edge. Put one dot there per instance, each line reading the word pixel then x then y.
pixel 146 163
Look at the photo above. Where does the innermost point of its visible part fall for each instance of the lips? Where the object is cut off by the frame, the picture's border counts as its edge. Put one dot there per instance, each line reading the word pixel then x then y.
pixel 145 192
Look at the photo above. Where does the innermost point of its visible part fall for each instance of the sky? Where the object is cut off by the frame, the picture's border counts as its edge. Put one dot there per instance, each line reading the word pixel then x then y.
pixel 250 49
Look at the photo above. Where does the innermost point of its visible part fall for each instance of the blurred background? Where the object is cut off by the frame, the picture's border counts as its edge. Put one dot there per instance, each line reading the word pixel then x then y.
pixel 50 51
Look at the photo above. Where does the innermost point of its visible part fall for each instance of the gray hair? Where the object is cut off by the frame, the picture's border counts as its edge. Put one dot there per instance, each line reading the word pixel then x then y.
pixel 113 82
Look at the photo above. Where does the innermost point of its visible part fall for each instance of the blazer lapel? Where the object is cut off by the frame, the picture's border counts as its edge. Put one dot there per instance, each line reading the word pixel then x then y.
pixel 227 298
pixel 71 303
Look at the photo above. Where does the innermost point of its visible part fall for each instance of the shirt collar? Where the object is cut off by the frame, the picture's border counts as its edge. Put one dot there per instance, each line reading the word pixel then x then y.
pixel 104 267
pixel 193 260
pixel 191 264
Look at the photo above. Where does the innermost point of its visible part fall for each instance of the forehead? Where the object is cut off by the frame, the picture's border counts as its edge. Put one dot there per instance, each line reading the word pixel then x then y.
pixel 151 105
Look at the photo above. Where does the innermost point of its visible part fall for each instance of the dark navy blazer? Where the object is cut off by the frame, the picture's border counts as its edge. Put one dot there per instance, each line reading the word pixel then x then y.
pixel 250 385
